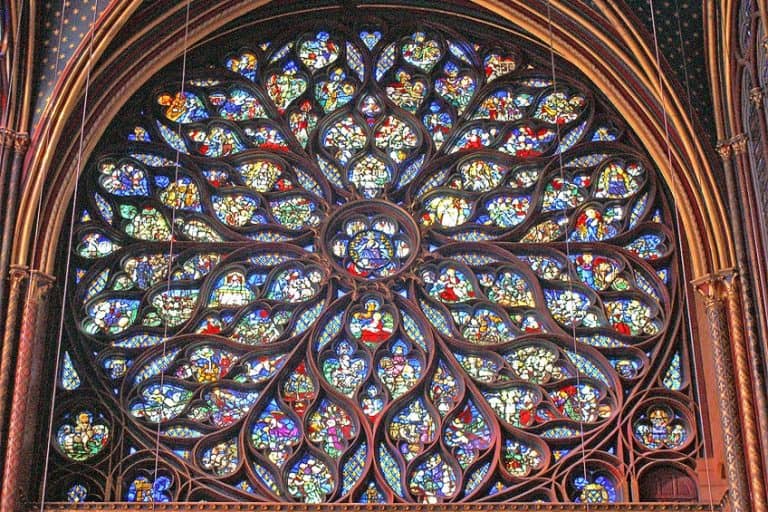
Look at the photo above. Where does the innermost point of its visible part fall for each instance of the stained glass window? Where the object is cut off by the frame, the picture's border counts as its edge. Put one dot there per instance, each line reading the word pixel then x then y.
pixel 373 263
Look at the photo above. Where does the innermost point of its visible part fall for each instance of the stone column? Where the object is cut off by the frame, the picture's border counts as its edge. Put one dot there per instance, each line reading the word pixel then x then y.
pixel 17 143
pixel 745 343
pixel 711 288
pixel 749 388
pixel 18 278
pixel 30 351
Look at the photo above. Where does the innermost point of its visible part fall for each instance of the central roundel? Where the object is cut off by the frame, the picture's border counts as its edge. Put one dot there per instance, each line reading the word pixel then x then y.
pixel 371 240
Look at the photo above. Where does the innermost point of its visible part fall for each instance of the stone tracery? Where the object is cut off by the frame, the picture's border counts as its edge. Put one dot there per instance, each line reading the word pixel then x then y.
pixel 440 179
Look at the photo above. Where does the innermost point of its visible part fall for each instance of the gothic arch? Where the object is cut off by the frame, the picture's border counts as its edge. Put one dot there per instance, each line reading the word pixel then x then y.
pixel 610 51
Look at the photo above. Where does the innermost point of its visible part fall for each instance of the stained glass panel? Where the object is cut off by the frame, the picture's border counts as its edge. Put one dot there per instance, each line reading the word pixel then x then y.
pixel 388 263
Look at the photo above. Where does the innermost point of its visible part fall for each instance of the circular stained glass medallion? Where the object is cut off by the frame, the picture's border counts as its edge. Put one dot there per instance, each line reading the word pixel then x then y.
pixel 371 239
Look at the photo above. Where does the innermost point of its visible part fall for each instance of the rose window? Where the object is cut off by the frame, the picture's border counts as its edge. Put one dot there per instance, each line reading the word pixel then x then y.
pixel 371 265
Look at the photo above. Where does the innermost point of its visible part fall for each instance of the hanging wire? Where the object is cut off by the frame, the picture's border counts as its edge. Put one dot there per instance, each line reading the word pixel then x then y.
pixel 73 214
pixel 169 267
pixel 679 242
pixel 558 138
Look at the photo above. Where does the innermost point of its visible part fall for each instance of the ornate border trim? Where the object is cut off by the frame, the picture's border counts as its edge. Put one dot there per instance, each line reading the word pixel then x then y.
pixel 402 507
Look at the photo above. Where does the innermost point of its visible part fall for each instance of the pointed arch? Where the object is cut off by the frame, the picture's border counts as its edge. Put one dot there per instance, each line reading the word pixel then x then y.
pixel 608 49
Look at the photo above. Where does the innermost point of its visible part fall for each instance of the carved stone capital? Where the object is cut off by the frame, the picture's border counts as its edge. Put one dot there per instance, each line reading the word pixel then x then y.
pixel 17 272
pixel 712 286
pixel 40 285
pixel 739 143
pixel 6 137
pixel 756 96
pixel 37 285
pixel 17 140
pixel 21 142
pixel 724 149
pixel 41 281
pixel 730 282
